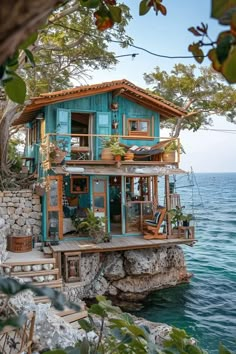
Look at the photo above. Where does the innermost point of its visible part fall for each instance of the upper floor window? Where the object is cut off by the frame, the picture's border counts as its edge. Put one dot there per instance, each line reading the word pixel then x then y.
pixel 139 127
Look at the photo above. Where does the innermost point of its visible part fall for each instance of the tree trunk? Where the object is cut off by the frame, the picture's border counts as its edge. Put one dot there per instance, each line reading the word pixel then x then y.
pixel 9 115
pixel 19 19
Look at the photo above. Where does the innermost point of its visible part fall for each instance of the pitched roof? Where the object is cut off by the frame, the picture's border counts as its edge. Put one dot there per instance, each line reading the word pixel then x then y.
pixel 119 87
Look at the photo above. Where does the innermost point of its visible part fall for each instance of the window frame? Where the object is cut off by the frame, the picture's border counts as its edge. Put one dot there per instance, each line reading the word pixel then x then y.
pixel 139 133
pixel 73 186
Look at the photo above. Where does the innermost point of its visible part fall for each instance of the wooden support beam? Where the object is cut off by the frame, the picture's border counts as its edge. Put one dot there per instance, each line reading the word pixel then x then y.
pixel 167 197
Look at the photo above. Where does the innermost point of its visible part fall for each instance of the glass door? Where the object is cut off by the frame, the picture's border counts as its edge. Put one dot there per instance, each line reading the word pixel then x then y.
pixel 99 197
pixel 54 208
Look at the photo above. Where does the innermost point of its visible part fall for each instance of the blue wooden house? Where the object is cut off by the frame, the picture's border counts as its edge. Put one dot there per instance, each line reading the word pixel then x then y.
pixel 66 134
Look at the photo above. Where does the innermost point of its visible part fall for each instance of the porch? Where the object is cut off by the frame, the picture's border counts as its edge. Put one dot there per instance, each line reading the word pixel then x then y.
pixel 117 243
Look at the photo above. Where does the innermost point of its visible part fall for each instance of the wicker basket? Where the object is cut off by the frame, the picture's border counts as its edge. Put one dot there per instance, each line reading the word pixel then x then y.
pixel 19 244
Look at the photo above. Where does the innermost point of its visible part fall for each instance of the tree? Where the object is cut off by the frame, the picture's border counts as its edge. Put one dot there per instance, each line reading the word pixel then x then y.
pixel 202 92
pixel 65 49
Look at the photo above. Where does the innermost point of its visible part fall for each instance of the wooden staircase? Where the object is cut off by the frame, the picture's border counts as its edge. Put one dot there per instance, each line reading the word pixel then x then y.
pixel 71 316
pixel 26 270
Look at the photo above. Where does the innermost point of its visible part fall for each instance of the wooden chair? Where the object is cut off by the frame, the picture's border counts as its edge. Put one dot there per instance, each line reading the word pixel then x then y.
pixel 18 340
pixel 152 227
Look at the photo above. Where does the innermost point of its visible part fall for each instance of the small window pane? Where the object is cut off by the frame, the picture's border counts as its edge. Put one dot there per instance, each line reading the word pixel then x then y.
pixel 99 186
pixel 143 126
pixel 99 202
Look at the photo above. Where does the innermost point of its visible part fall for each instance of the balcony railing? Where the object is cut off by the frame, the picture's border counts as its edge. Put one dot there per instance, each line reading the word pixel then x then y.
pixel 55 147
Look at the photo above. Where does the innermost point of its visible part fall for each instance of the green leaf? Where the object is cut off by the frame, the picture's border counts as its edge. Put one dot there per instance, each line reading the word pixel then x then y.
pixel 228 68
pixel 137 331
pixel 15 89
pixel 115 13
pixel 96 309
pixel 56 351
pixel 85 325
pixel 16 321
pixel 84 346
pixel 143 8
pixel 30 40
pixel 30 56
pixel 224 43
pixel 197 52
pixel 223 10
pixel 193 349
pixel 223 349
pixel 91 4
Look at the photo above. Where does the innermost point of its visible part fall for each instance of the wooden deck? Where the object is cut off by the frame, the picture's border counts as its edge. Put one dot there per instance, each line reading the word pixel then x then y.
pixel 117 244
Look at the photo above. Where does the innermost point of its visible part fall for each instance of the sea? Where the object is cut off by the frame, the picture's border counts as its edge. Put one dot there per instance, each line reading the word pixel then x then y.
pixel 206 307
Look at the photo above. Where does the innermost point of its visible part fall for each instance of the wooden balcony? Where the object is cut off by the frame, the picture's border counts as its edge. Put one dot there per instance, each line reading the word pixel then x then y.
pixel 77 154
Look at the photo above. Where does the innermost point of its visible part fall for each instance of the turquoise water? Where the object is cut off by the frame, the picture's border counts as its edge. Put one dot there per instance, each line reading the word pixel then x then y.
pixel 205 308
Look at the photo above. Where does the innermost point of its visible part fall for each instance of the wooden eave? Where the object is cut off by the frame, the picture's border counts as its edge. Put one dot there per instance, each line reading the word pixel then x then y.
pixel 122 87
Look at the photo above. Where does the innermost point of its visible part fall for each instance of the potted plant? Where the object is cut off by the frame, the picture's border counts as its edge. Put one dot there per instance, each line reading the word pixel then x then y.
pixel 178 218
pixel 93 225
pixel 118 151
pixel 107 144
pixel 169 154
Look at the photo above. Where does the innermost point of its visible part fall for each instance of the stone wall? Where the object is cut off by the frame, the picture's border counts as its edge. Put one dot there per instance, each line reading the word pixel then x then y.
pixel 129 275
pixel 21 213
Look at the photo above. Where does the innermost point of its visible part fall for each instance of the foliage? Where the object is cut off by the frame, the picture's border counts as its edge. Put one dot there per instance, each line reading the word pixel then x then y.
pixel 93 225
pixel 202 95
pixel 108 13
pixel 177 216
pixel 11 287
pixel 223 52
pixel 113 143
pixel 108 142
pixel 116 149
pixel 115 331
pixel 14 157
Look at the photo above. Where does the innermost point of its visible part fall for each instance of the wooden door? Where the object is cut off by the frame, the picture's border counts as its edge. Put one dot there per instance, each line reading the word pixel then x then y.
pixel 100 196
pixel 103 127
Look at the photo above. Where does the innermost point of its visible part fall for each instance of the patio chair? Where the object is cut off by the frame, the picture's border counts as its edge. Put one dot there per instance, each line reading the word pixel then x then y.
pixel 142 152
pixel 152 227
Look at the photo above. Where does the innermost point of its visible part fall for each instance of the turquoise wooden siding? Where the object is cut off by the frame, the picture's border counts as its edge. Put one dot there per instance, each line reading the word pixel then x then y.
pixel 102 103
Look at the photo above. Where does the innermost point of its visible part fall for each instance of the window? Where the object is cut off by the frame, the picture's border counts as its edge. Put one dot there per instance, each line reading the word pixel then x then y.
pixel 139 127
pixel 79 184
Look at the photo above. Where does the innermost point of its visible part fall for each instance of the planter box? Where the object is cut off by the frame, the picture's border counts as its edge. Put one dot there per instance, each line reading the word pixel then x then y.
pixel 19 244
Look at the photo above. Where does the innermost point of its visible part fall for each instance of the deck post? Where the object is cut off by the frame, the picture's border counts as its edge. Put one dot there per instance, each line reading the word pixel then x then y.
pixel 167 197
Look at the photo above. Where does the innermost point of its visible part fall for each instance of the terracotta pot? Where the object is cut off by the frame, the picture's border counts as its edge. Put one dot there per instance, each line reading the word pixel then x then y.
pixel 107 154
pixel 129 156
pixel 169 156
pixel 117 157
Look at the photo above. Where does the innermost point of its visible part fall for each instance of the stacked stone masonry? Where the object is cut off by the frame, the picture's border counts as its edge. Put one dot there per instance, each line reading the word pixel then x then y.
pixel 20 212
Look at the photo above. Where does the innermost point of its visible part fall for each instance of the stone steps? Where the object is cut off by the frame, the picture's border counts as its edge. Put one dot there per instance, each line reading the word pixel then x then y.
pixel 41 272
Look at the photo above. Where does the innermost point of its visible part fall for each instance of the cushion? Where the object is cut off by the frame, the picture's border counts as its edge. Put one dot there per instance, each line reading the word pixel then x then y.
pixel 155 220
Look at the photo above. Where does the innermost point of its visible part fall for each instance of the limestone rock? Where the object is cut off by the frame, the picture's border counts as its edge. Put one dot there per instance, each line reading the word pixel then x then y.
pixel 89 265
pixel 133 286
pixel 141 262
pixel 114 266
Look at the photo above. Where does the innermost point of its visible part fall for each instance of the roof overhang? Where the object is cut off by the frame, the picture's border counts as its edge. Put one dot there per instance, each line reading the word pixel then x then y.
pixel 121 171
pixel 123 88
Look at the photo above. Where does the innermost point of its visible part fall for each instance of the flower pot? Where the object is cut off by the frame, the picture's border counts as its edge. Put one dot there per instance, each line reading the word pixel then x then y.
pixel 169 156
pixel 129 156
pixel 106 154
pixel 117 157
